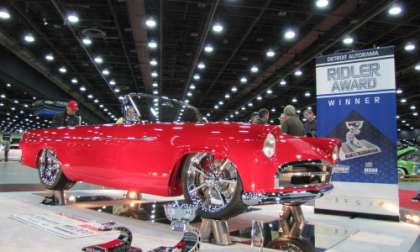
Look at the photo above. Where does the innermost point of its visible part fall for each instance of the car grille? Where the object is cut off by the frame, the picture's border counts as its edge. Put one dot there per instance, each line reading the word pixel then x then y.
pixel 303 174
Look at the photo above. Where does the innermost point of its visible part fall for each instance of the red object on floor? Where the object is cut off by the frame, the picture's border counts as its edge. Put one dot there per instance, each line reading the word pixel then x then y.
pixel 405 200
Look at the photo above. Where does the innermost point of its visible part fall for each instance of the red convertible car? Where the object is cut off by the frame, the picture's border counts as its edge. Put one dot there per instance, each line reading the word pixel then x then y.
pixel 164 147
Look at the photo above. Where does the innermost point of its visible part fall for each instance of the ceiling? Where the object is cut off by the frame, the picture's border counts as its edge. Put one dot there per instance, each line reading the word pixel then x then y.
pixel 120 43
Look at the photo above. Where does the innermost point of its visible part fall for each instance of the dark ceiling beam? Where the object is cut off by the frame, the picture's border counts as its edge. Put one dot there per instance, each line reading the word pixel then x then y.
pixel 27 57
pixel 161 17
pixel 121 38
pixel 203 38
pixel 136 13
pixel 235 51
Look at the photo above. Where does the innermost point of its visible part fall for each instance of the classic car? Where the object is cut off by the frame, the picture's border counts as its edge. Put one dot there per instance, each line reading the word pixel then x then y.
pixel 164 147
pixel 408 161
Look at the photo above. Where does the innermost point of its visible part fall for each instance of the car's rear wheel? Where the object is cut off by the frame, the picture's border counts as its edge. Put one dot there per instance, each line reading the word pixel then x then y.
pixel 50 172
pixel 401 173
pixel 213 184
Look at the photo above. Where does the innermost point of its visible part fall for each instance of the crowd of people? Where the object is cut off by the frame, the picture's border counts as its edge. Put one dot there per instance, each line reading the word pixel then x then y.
pixel 289 121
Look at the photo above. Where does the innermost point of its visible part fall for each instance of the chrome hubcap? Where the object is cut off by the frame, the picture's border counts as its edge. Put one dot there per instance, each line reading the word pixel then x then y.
pixel 211 183
pixel 49 167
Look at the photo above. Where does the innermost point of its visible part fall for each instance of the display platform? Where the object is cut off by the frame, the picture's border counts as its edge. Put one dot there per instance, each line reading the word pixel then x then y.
pixel 323 232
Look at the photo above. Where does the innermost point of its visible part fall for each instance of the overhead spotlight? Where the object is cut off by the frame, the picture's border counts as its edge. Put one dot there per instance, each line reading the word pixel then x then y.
pixel 244 80
pixel 155 84
pixel 227 96
pixel 269 91
pixel 4 14
pixel 83 89
pixel 29 38
pixel 73 18
pixel 234 89
pixel 395 9
pixel 307 94
pixel 270 53
pixel 152 44
pixel 254 69
pixel 49 57
pixel 259 98
pixel 201 65
pixel 217 28
pixel 155 92
pixel 216 106
pixel 289 34
pixel 96 101
pixel 403 100
pixel 98 59
pixel 154 74
pixel 221 103
pixel 196 77
pixel 62 70
pixel 283 83
pixel 189 94
pixel 86 41
pixel 192 87
pixel 412 107
pixel 409 47
pixel 348 40
pixel 90 96
pixel 415 113
pixel 106 72
pixel 250 104
pixel 208 49
pixel 150 23
pixel 153 62
pixel 322 4
pixel 298 72
pixel 294 100
pixel 8 85
pixel 74 81
pixel 399 91
pixel 417 67
pixel 117 90
pixel 112 82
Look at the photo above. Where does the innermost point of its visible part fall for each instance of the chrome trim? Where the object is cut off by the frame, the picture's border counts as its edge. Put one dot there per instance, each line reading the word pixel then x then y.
pixel 252 199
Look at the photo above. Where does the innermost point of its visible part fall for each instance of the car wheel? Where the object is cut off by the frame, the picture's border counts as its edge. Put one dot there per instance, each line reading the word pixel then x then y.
pixel 214 185
pixel 401 173
pixel 50 172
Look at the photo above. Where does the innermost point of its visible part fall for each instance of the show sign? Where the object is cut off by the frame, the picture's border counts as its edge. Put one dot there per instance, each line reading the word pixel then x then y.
pixel 356 102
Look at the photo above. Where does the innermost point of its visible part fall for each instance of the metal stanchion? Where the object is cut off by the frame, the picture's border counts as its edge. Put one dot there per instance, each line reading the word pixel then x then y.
pixel 215 231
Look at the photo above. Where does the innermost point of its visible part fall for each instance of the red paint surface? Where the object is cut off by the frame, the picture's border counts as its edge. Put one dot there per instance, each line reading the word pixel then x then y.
pixel 405 200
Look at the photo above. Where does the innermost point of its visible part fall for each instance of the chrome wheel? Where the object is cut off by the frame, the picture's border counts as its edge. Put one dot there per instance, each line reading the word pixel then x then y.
pixel 210 182
pixel 401 173
pixel 49 167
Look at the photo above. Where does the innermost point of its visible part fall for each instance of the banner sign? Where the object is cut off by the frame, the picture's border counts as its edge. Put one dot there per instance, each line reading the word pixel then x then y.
pixel 356 102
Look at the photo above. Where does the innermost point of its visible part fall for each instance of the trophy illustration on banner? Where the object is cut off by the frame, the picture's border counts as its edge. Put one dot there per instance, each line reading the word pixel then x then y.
pixel 354 147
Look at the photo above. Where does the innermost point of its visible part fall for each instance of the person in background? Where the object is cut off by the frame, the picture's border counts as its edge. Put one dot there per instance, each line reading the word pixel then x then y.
pixel 310 124
pixel 282 118
pixel 263 116
pixel 69 117
pixel 254 117
pixel 130 118
pixel 292 124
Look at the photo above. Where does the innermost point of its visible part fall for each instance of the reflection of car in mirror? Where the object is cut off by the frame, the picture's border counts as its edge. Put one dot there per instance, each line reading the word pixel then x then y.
pixel 163 147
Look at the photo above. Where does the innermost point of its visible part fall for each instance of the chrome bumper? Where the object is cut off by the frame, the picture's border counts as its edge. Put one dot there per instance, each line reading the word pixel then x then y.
pixel 252 199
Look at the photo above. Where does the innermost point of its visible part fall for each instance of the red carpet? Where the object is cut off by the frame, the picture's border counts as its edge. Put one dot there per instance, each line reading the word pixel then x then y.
pixel 405 200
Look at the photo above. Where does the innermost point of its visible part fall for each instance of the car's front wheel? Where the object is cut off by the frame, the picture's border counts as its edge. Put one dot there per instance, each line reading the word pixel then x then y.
pixel 401 173
pixel 50 172
pixel 213 184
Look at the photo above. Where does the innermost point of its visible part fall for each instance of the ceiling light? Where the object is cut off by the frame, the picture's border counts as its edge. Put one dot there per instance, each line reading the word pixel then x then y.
pixel 49 57
pixel 283 83
pixel 187 101
pixel 98 59
pixel 234 89
pixel 153 62
pixel 208 49
pixel 112 82
pixel 90 96
pixel 412 107
pixel 29 38
pixel 221 103
pixel 87 41
pixel 217 28
pixel 154 74
pixel 62 69
pixel 216 106
pixel 201 65
pixel 270 53
pixel 409 47
pixel 151 22
pixel 250 104
pixel 152 44
pixel 227 96
pixel 155 92
pixel 348 40
pixel 192 87
pixel 4 14
pixel 395 10
pixel 244 80
pixel 96 101
pixel 322 4
pixel 294 100
pixel 415 113
pixel 399 91
pixel 117 90
pixel 307 94
pixel 417 67
pixel 269 91
pixel 298 72
pixel 289 34
pixel 254 69
pixel 155 84
pixel 403 100
pixel 8 85
pixel 259 98
pixel 196 77
pixel 189 94
pixel 106 72
pixel 83 89
pixel 73 18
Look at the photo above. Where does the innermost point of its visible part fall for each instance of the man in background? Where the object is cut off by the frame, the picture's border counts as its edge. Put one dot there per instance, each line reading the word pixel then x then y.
pixel 263 116
pixel 310 124
pixel 292 124
pixel 69 117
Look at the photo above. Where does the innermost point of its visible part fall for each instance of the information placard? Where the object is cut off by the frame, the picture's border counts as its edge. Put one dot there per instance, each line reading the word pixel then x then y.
pixel 356 102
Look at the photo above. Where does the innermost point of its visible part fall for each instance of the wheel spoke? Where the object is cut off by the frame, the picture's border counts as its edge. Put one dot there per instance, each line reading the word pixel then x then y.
pixel 228 181
pixel 196 169
pixel 197 188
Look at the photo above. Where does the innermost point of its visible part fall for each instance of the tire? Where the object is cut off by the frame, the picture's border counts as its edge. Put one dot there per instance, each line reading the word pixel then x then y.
pixel 206 179
pixel 401 172
pixel 50 173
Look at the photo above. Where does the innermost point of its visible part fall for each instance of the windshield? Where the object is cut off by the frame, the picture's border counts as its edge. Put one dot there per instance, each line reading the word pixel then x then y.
pixel 149 108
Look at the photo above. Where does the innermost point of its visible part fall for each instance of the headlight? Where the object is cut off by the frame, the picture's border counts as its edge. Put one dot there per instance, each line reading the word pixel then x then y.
pixel 269 147
pixel 335 153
